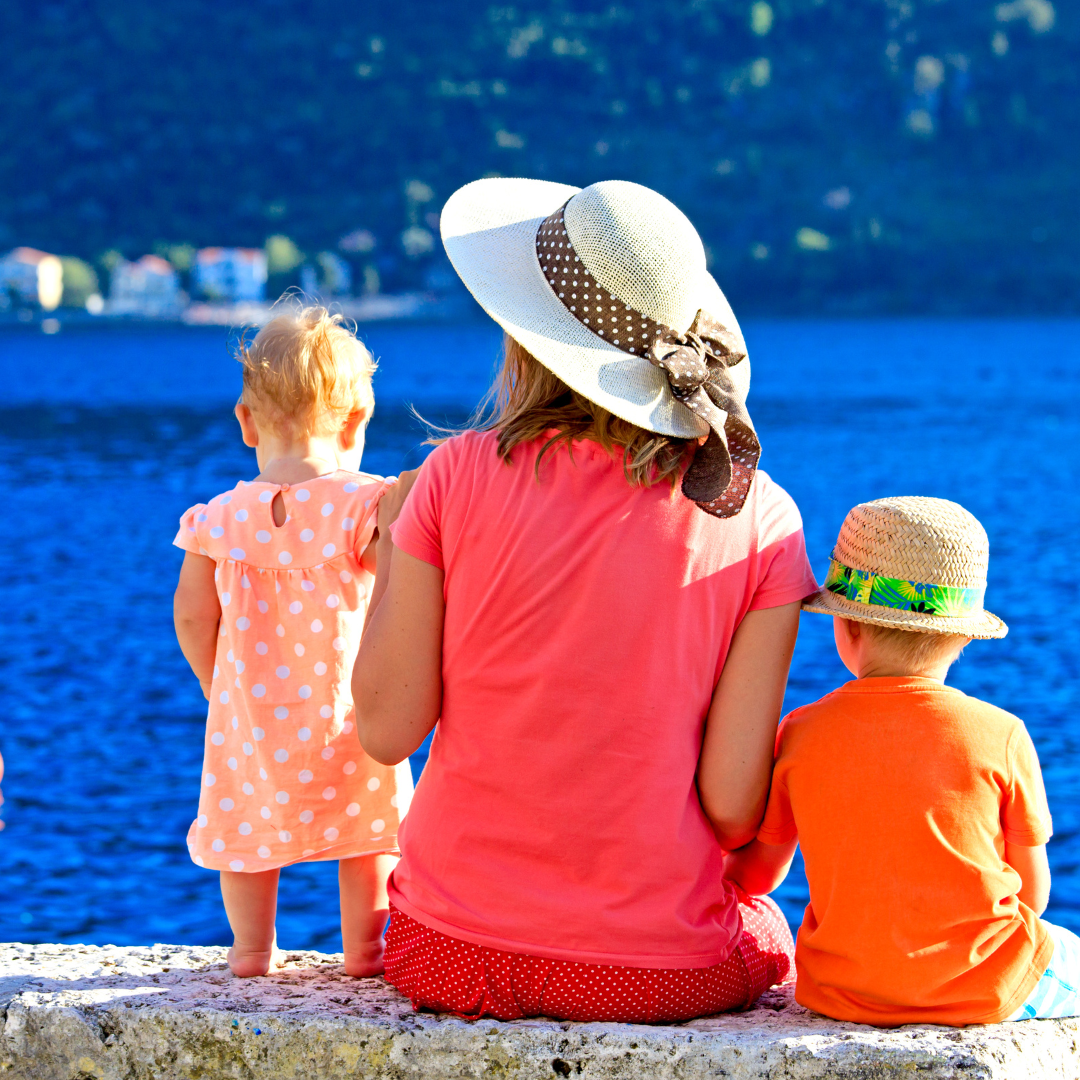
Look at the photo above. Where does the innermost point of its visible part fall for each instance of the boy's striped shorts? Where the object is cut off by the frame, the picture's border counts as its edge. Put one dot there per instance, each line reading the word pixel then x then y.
pixel 1057 993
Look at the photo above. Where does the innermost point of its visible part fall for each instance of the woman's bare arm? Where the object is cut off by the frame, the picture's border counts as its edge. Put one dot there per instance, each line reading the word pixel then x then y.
pixel 197 615
pixel 737 753
pixel 397 679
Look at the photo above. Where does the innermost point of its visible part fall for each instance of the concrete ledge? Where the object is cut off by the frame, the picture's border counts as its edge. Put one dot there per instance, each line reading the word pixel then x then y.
pixel 75 1012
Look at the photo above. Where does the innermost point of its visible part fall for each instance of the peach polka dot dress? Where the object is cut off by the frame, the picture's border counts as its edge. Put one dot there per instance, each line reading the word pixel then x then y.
pixel 284 776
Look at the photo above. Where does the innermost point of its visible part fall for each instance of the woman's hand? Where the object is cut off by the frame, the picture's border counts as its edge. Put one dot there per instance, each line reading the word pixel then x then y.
pixel 735 766
pixel 758 868
pixel 378 553
pixel 391 503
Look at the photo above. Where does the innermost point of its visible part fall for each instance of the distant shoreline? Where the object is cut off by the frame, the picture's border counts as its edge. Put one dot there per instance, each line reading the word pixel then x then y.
pixel 389 307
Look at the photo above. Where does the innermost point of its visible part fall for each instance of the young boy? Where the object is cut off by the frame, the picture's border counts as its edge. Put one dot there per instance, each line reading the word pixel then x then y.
pixel 920 811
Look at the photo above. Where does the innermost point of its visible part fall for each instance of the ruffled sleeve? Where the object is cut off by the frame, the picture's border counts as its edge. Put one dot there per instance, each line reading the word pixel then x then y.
pixel 187 536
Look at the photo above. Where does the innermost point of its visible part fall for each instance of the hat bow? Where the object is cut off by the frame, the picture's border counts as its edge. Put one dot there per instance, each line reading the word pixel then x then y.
pixel 697 365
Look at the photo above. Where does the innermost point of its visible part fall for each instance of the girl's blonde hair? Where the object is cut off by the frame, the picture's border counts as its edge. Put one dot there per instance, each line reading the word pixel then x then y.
pixel 528 400
pixel 305 372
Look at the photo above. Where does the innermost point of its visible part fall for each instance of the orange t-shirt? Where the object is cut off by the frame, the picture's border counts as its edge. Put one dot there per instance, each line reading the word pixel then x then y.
pixel 902 792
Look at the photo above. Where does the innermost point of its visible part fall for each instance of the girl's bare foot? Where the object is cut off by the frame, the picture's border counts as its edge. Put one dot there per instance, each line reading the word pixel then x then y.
pixel 365 961
pixel 245 964
pixel 250 903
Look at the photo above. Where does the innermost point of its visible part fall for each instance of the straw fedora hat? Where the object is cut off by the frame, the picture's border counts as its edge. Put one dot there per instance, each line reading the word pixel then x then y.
pixel 607 287
pixel 912 563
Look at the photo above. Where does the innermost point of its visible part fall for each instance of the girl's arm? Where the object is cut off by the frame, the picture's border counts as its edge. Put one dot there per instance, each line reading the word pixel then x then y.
pixel 1034 870
pixel 736 760
pixel 197 615
pixel 758 868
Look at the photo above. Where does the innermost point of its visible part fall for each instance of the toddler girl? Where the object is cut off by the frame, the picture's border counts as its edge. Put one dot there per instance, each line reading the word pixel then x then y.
pixel 269 610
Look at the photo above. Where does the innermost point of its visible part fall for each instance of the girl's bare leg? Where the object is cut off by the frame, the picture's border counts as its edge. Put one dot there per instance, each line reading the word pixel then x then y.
pixel 364 910
pixel 251 905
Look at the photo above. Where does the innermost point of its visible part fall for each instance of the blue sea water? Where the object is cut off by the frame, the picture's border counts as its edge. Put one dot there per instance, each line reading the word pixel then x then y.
pixel 106 436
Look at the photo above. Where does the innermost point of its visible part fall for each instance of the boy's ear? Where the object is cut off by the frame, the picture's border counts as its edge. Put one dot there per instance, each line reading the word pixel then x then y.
pixel 351 427
pixel 248 431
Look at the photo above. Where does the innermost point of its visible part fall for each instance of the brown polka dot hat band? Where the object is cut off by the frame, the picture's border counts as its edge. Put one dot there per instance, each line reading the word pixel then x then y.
pixel 674 359
pixel 696 364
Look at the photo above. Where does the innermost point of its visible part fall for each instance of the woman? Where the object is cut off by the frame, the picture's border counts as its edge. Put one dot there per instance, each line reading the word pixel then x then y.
pixel 597 596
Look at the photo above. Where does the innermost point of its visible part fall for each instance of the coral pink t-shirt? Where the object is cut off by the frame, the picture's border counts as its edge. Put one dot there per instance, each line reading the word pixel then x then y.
pixel 587 623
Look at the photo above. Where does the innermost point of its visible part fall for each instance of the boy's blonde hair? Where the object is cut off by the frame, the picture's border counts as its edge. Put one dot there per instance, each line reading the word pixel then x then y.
pixel 527 399
pixel 914 647
pixel 305 372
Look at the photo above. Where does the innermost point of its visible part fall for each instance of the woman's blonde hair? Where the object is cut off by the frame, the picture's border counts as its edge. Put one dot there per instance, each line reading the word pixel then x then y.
pixel 528 400
pixel 305 372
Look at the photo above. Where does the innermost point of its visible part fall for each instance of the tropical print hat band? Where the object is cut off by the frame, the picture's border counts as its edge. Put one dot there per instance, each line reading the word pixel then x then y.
pixel 910 563
pixel 862 587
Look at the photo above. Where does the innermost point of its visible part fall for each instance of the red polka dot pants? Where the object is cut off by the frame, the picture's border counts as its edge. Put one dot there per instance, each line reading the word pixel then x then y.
pixel 442 973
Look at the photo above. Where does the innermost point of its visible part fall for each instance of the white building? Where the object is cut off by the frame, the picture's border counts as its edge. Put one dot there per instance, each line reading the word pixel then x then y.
pixel 231 273
pixel 147 287
pixel 35 277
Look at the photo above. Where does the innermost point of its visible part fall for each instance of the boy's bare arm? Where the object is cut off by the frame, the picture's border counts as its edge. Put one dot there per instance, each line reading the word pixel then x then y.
pixel 1034 870
pixel 758 868
pixel 197 615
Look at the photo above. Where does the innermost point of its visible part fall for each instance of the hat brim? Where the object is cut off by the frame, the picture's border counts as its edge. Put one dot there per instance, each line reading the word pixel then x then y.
pixel 984 624
pixel 489 232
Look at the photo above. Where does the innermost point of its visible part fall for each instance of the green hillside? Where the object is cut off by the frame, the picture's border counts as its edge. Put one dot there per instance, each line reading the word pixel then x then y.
pixel 836 155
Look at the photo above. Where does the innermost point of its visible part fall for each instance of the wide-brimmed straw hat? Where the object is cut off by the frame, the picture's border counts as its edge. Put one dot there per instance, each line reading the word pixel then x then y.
pixel 607 287
pixel 913 563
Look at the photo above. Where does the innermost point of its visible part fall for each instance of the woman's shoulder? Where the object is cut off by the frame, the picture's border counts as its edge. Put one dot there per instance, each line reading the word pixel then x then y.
pixel 771 505
pixel 471 446
pixel 769 493
pixel 470 441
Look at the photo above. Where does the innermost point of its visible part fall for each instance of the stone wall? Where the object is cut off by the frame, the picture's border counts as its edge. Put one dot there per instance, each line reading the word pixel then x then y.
pixel 75 1012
